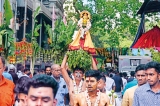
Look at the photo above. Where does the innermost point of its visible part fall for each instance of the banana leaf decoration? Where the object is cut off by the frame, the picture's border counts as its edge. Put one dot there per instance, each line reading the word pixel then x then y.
pixel 8 12
pixel 49 32
pixel 7 42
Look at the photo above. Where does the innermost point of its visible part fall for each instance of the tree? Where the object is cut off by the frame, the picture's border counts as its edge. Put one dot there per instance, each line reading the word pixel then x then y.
pixel 111 18
pixel 61 38
pixel 6 34
pixel 33 36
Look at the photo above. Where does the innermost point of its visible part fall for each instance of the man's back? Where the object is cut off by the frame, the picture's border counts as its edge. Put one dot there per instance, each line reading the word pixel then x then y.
pixel 129 85
pixel 14 76
pixel 109 83
pixel 118 83
pixel 124 82
pixel 130 79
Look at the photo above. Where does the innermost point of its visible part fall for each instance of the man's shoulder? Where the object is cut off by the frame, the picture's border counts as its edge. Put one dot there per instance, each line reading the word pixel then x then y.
pixel 104 95
pixel 8 82
pixel 142 88
pixel 62 79
pixel 132 89
pixel 110 79
pixel 132 83
pixel 124 79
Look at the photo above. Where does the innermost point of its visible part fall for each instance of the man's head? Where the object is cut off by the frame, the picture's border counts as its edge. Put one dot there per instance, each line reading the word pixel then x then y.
pixel 48 71
pixel 92 78
pixel 41 71
pixel 116 72
pixel 42 90
pixel 6 69
pixel 21 90
pixel 56 70
pixel 124 74
pixel 2 65
pixel 26 71
pixel 78 73
pixel 152 70
pixel 20 67
pixel 102 83
pixel 132 73
pixel 106 74
pixel 140 74
pixel 12 68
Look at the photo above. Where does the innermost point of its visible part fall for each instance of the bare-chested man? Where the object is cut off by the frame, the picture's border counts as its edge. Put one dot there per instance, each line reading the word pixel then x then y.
pixel 75 85
pixel 91 96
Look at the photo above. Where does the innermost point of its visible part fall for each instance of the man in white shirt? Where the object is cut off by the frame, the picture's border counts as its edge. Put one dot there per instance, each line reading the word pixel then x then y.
pixel 110 84
pixel 124 75
pixel 20 69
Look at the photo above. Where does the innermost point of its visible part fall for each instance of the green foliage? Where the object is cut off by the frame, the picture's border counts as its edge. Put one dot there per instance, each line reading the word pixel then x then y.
pixel 6 33
pixel 110 20
pixel 61 38
pixel 33 36
pixel 8 14
pixel 155 55
pixel 80 59
pixel 36 12
pixel 7 40
pixel 36 29
pixel 35 32
pixel 49 31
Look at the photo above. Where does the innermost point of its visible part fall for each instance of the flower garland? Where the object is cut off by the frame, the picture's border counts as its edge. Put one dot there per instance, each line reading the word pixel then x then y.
pixel 88 26
pixel 97 98
pixel 78 89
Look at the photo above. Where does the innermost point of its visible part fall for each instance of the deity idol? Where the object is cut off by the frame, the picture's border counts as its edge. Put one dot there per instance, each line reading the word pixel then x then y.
pixel 82 38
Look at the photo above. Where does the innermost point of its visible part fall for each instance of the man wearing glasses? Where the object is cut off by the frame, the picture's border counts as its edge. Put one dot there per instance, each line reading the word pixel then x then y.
pixel 62 91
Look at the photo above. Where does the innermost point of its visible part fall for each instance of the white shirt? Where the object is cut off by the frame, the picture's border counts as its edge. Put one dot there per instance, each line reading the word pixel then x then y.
pixel 124 82
pixel 19 73
pixel 117 102
pixel 109 83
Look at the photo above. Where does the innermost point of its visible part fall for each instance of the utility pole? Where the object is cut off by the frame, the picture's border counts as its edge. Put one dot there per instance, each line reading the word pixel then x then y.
pixel 40 37
pixel 25 19
pixel 15 21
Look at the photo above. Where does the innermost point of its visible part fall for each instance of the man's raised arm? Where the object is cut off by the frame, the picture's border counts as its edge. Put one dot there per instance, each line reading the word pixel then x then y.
pixel 94 66
pixel 64 70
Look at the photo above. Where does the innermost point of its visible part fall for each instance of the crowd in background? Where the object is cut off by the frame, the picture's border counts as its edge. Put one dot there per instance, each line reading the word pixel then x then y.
pixel 141 88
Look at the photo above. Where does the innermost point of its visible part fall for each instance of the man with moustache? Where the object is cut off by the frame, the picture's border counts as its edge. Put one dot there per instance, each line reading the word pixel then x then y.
pixel 129 93
pixel 92 95
pixel 62 90
pixel 48 70
pixel 149 93
pixel 75 84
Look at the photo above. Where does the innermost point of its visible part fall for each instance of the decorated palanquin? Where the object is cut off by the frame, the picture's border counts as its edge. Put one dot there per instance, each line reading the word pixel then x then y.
pixel 23 50
pixel 82 38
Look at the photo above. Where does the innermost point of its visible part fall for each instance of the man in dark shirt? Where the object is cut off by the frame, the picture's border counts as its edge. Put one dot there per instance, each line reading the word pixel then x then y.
pixel 119 84
pixel 132 76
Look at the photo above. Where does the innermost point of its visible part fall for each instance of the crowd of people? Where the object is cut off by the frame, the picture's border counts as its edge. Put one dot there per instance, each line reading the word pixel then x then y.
pixel 58 86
